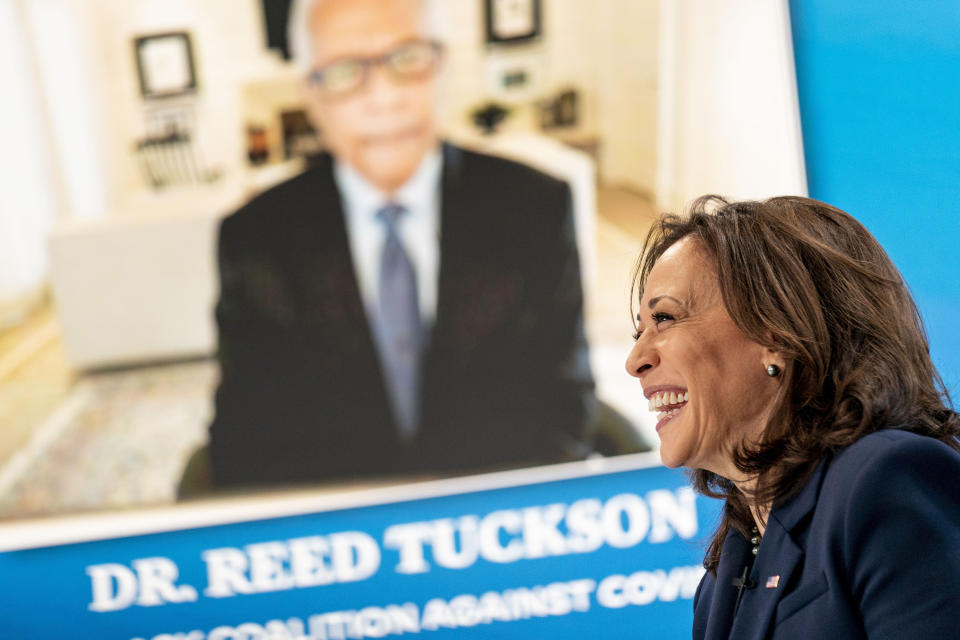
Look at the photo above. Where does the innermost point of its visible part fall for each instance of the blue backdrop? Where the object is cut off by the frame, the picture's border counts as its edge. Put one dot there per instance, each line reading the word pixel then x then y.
pixel 879 88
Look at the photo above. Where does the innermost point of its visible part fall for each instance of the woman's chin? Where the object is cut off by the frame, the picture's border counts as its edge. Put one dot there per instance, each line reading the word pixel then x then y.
pixel 670 464
pixel 669 457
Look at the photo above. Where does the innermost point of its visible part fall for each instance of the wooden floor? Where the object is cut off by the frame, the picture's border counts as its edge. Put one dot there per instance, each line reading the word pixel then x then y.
pixel 38 387
pixel 34 378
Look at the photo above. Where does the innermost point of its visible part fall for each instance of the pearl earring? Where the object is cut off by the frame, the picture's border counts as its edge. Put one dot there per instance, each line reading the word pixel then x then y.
pixel 773 370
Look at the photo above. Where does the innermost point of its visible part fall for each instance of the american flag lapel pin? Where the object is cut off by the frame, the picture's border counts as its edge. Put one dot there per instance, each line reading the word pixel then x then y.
pixel 773 582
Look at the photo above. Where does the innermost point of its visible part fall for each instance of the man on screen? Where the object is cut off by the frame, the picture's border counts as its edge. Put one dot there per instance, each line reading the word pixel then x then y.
pixel 403 305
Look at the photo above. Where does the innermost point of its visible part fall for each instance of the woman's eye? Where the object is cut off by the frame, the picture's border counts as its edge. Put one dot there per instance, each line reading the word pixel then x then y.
pixel 658 317
pixel 661 317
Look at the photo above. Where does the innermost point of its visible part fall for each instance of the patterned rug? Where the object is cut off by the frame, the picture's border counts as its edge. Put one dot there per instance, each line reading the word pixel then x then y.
pixel 121 439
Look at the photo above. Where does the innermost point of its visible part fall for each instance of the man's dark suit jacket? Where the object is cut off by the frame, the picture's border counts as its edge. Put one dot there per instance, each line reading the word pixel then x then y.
pixel 301 396
pixel 870 548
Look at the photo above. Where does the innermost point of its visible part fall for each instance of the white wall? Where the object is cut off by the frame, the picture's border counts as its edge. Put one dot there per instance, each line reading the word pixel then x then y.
pixel 729 121
pixel 73 110
pixel 564 57
pixel 69 76
pixel 228 47
pixel 626 57
pixel 607 50
pixel 30 194
pixel 227 37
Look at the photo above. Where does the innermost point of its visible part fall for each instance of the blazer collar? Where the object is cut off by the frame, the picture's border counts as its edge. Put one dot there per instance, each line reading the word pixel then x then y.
pixel 791 512
pixel 456 211
pixel 780 556
pixel 451 177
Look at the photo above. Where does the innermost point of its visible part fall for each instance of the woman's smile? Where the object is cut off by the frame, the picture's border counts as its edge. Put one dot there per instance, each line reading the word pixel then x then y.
pixel 667 403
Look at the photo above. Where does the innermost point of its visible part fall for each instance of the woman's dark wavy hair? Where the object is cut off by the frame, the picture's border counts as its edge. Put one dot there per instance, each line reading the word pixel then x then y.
pixel 809 281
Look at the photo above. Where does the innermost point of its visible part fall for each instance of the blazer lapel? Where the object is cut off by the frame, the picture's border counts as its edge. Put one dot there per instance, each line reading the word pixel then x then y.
pixel 452 217
pixel 457 215
pixel 771 573
pixel 736 552
pixel 327 270
pixel 331 294
pixel 779 557
pixel 478 277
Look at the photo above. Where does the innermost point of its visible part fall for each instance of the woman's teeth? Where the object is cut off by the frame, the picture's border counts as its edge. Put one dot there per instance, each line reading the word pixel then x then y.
pixel 663 414
pixel 668 403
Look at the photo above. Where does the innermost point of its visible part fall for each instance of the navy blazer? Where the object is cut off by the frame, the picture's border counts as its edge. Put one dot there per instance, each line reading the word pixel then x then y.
pixel 869 548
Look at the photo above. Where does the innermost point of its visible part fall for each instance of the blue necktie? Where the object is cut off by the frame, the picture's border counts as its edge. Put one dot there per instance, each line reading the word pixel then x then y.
pixel 400 331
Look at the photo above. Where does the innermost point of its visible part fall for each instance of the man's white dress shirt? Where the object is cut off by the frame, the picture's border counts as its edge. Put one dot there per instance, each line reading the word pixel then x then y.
pixel 419 230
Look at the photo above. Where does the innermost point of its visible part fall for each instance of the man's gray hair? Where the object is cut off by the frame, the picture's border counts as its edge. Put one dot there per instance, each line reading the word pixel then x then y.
pixel 300 36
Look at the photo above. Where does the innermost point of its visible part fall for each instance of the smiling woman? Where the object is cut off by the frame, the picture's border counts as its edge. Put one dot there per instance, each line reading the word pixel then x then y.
pixel 688 345
pixel 791 374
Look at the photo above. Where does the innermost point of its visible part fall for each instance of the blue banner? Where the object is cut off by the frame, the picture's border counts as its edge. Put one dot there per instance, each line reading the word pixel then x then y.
pixel 600 549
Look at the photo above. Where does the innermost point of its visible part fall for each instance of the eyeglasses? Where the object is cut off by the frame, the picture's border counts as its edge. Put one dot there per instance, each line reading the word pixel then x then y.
pixel 411 60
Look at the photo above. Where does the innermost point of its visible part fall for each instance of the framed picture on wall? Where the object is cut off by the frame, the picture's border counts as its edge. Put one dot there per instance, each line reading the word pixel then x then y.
pixel 512 21
pixel 165 64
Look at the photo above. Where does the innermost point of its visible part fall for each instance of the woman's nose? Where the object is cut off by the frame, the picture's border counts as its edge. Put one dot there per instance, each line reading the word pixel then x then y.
pixel 642 357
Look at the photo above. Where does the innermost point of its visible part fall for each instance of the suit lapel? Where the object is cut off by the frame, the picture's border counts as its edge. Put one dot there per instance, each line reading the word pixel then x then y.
pixel 452 216
pixel 458 238
pixel 779 558
pixel 331 289
pixel 759 603
pixel 736 552
pixel 480 283
pixel 328 271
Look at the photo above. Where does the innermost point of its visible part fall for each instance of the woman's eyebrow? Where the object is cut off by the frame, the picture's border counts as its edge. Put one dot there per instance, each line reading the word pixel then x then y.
pixel 654 301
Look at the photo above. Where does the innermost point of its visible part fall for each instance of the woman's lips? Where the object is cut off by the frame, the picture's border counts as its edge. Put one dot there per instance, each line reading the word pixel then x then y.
pixel 667 402
pixel 669 415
